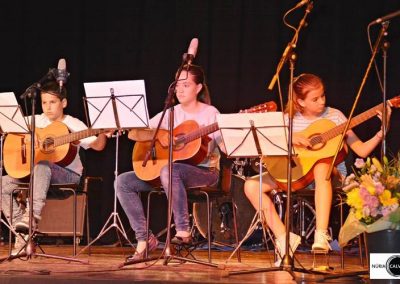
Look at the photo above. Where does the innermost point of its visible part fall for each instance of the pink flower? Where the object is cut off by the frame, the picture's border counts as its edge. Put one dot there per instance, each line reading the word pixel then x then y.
pixel 359 163
pixel 379 188
pixel 366 211
pixel 386 210
pixel 364 192
pixel 374 212
pixel 376 177
pixel 373 201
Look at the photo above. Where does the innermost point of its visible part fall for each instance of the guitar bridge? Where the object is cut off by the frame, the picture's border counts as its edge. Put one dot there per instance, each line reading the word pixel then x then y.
pixel 153 155
pixel 292 163
pixel 23 150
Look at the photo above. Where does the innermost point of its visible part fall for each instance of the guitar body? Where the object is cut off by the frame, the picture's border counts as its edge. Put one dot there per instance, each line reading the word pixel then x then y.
pixel 304 159
pixel 17 153
pixel 192 152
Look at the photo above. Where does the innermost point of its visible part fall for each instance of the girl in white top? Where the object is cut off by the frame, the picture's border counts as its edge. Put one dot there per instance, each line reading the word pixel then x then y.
pixel 194 104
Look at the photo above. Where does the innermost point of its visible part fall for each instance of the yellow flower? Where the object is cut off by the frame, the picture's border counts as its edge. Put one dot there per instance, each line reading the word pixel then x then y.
pixel 377 164
pixel 354 199
pixel 385 161
pixel 386 198
pixel 369 184
pixel 368 162
pixel 359 214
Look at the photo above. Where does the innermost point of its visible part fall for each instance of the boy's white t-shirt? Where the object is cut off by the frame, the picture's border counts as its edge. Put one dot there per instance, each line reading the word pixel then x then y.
pixel 74 125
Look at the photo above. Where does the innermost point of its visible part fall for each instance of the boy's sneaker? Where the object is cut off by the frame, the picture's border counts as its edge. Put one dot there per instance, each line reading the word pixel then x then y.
pixel 280 242
pixel 20 242
pixel 22 226
pixel 321 241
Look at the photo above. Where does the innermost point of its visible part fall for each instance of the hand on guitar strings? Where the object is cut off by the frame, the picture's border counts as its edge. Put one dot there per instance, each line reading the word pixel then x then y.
pixel 301 141
pixel 27 140
pixel 163 138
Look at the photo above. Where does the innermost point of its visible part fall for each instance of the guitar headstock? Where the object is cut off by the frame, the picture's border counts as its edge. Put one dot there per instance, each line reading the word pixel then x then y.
pixel 395 102
pixel 265 107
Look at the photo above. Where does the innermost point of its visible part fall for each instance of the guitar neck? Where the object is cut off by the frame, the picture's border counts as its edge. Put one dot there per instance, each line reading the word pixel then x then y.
pixel 75 136
pixel 265 107
pixel 353 123
pixel 199 133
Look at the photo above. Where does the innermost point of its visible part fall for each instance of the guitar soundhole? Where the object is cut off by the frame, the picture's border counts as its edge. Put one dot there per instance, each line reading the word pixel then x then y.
pixel 48 145
pixel 317 143
pixel 179 142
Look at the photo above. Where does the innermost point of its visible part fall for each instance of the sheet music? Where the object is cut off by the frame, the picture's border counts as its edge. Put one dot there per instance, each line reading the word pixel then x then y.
pixel 239 140
pixel 130 100
pixel 12 119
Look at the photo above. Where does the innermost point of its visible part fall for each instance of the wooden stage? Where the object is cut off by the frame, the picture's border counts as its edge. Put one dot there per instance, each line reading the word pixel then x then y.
pixel 103 266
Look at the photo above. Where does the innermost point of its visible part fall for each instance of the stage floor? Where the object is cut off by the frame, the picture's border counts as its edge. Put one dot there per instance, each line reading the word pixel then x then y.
pixel 103 266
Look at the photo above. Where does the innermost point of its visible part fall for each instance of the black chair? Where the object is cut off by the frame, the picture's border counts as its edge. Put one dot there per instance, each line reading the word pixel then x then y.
pixel 209 195
pixel 56 221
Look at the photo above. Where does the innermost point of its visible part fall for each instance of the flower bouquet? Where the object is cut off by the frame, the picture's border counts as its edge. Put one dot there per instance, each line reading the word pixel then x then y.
pixel 373 194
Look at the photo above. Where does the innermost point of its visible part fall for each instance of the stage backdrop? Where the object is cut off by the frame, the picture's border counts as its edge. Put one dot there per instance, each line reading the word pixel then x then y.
pixel 240 45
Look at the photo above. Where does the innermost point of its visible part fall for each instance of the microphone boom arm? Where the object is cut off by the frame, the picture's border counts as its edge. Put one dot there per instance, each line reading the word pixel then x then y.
pixel 374 52
pixel 291 45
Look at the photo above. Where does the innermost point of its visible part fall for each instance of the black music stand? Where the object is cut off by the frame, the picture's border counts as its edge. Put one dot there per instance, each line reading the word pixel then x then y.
pixel 250 135
pixel 118 105
pixel 12 120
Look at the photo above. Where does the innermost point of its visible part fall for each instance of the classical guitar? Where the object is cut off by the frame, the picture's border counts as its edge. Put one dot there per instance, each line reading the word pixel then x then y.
pixel 191 145
pixel 324 145
pixel 54 146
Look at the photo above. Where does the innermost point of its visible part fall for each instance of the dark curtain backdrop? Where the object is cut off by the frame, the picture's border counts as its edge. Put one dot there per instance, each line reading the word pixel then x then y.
pixel 241 42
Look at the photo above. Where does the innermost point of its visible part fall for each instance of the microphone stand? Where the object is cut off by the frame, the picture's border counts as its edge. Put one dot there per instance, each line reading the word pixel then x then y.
pixel 385 47
pixel 169 105
pixel 374 52
pixel 377 45
pixel 287 263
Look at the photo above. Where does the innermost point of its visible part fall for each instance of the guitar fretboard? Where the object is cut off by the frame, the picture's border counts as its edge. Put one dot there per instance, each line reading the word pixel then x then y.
pixel 74 136
pixel 198 133
pixel 326 136
pixel 265 107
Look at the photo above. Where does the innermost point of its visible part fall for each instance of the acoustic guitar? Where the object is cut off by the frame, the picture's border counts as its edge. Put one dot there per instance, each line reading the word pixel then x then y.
pixel 324 138
pixel 54 146
pixel 191 146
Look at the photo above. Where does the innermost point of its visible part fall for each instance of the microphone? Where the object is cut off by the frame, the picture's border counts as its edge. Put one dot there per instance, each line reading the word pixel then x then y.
pixel 60 74
pixel 385 18
pixel 191 53
pixel 301 3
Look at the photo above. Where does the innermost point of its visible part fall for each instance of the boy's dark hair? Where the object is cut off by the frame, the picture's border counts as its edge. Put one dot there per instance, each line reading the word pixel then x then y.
pixel 53 88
